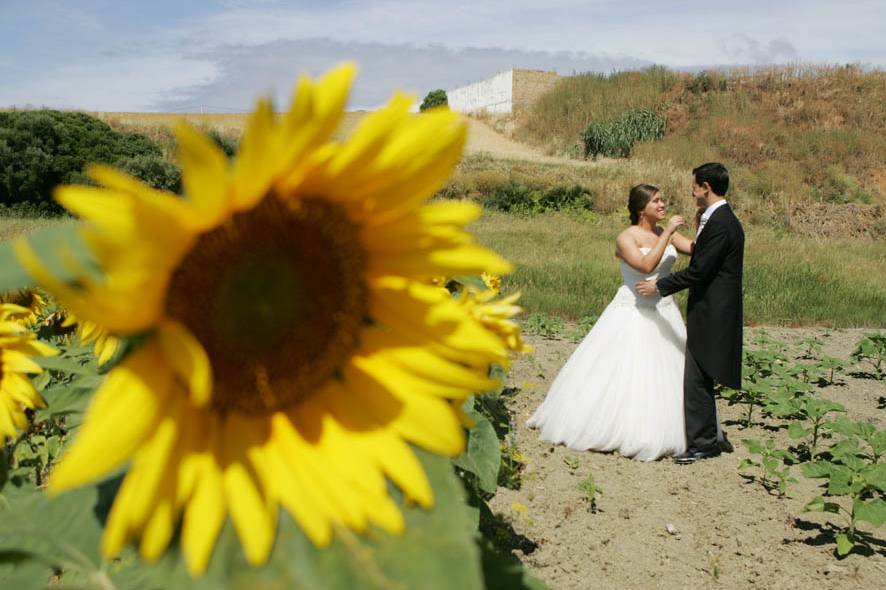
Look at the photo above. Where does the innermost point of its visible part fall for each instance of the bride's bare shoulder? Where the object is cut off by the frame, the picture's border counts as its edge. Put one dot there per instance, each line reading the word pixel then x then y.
pixel 628 233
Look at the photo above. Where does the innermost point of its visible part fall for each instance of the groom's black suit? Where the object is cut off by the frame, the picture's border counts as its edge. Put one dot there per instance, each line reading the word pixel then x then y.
pixel 714 321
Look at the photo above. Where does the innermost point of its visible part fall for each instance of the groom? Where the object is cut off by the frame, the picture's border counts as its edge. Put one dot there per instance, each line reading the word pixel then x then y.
pixel 714 312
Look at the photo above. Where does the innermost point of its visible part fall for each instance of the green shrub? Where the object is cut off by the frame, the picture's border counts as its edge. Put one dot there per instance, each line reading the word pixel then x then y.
pixel 616 137
pixel 840 187
pixel 515 197
pixel 704 81
pixel 227 143
pixel 434 98
pixel 41 149
pixel 156 171
pixel 512 197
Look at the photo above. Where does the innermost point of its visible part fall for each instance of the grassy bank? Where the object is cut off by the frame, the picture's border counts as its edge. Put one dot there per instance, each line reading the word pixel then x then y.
pixel 566 267
pixel 794 134
pixel 480 176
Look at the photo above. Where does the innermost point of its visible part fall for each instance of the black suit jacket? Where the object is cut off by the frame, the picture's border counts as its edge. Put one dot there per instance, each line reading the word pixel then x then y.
pixel 714 313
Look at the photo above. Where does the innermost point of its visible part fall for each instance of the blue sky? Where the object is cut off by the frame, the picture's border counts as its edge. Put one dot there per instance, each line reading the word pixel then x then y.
pixel 217 55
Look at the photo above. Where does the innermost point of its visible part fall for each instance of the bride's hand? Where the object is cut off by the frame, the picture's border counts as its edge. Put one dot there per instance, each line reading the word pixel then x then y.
pixel 675 222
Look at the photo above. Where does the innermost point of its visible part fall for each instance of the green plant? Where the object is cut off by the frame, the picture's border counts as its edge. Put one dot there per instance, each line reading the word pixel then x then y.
pixel 591 491
pixel 585 323
pixel 840 187
pixel 570 462
pixel 618 136
pixel 155 171
pixel 872 349
pixel 227 143
pixel 813 411
pixel 434 98
pixel 773 465
pixel 544 325
pixel 853 471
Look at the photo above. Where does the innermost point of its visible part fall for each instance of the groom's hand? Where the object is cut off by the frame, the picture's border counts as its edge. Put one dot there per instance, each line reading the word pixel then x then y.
pixel 647 287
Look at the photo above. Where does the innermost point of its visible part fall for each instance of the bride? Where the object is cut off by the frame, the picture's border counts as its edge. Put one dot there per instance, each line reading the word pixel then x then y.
pixel 622 388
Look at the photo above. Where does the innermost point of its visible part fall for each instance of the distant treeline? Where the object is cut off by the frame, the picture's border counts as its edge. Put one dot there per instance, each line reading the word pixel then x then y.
pixel 44 148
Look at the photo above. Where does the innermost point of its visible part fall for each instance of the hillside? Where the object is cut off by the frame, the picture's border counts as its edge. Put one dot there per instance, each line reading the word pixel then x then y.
pixel 793 135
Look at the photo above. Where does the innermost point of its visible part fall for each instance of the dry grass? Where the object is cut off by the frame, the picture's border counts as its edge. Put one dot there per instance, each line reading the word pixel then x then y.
pixel 791 135
pixel 157 125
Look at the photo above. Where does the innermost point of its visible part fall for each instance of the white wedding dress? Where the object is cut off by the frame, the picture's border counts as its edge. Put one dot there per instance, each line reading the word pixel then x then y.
pixel 622 388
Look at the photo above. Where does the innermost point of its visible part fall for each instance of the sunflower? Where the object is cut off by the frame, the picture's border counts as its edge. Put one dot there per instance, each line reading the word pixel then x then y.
pixel 30 299
pixel 17 347
pixel 294 347
pixel 492 282
pixel 106 345
pixel 496 315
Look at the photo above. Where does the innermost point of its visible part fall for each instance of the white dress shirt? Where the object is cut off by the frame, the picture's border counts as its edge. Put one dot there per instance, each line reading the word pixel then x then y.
pixel 707 215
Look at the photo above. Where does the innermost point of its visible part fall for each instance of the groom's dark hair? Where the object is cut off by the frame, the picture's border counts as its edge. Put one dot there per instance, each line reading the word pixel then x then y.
pixel 715 174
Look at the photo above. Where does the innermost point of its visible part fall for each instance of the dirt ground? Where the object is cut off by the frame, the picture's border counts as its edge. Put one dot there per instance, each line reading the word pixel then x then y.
pixel 661 525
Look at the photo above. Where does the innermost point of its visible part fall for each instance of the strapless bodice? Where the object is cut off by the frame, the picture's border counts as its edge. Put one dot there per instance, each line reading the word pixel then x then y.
pixel 631 276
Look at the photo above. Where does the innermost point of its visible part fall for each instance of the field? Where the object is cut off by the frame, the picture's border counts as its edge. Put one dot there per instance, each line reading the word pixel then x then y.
pixel 814 279
pixel 725 532
pixel 565 266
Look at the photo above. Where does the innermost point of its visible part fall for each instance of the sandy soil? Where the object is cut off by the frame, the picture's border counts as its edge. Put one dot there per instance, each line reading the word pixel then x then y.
pixel 668 526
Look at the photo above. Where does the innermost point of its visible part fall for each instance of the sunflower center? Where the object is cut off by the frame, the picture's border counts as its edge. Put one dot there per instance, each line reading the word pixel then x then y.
pixel 277 298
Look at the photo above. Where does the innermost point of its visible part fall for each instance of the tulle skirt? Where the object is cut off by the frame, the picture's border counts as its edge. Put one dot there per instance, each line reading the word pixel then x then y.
pixel 622 388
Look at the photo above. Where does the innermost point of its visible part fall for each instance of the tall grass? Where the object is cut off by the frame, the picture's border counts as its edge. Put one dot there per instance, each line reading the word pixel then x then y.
pixel 566 266
pixel 557 119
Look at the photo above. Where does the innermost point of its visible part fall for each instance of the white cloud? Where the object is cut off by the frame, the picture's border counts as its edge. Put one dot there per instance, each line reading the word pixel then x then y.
pixel 224 58
pixel 119 84
pixel 271 68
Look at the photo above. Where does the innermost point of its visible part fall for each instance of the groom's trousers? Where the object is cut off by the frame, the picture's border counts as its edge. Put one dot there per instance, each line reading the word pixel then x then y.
pixel 699 407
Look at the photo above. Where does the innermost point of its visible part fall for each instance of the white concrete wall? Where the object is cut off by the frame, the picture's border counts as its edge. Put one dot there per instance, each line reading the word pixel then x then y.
pixel 495 95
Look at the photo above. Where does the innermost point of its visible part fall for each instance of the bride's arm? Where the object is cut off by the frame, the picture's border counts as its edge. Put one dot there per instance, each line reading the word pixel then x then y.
pixel 626 248
pixel 682 243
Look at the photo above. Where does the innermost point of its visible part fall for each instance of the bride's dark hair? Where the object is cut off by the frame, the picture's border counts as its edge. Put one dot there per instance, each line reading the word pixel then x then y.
pixel 638 198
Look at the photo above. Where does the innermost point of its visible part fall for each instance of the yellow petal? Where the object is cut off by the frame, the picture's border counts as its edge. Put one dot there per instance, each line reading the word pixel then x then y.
pixel 204 516
pixel 188 359
pixel 123 410
pixel 204 174
pixel 255 163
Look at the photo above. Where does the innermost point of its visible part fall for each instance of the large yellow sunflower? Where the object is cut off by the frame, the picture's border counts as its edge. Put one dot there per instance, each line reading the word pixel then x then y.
pixel 30 299
pixel 295 346
pixel 17 347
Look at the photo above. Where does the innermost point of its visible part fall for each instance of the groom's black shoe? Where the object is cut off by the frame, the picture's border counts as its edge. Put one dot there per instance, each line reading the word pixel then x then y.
pixel 693 455
pixel 725 445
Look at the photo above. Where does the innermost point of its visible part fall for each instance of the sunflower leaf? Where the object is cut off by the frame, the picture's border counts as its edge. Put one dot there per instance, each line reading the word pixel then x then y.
pixel 47 244
pixel 482 456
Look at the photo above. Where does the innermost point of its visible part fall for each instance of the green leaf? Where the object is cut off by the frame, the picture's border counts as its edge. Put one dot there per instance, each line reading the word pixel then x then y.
pixel 482 457
pixel 65 364
pixel 19 571
pixel 63 400
pixel 62 532
pixel 872 511
pixel 745 463
pixel 844 545
pixel 47 243
pixel 502 572
pixel 816 469
pixel 875 475
pixel 840 481
pixel 753 445
pixel 796 430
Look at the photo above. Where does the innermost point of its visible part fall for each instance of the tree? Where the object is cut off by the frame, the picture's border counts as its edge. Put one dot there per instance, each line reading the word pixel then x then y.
pixel 434 98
